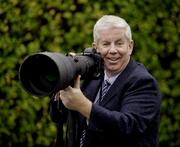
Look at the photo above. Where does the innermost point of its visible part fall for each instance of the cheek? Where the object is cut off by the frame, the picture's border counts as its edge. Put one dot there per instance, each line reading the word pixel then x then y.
pixel 124 51
pixel 102 51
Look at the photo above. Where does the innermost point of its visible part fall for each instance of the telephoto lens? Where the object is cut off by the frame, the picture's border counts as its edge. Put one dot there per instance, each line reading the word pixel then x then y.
pixel 45 73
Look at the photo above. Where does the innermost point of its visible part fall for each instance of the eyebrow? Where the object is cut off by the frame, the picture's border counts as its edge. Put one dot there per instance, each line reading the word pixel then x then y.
pixel 119 40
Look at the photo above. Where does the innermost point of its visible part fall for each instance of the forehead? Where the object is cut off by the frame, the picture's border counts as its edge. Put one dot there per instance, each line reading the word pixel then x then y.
pixel 112 34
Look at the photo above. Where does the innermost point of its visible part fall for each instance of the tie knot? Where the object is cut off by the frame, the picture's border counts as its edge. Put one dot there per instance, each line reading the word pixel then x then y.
pixel 107 83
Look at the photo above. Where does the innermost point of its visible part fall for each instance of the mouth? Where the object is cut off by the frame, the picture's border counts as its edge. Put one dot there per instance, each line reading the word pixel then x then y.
pixel 113 60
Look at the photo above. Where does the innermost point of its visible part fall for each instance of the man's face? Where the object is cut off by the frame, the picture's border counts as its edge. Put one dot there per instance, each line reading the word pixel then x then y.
pixel 115 49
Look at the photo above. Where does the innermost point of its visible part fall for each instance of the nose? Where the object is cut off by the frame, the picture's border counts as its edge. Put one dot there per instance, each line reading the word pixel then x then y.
pixel 112 48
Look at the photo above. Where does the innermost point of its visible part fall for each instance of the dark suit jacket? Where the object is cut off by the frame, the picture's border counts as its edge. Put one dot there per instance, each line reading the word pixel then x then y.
pixel 129 114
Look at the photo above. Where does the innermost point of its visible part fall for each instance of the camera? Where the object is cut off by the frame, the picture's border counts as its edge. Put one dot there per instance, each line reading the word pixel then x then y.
pixel 45 73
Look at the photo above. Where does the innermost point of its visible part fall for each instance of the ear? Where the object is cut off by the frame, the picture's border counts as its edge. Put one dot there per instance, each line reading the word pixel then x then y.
pixel 131 45
pixel 94 45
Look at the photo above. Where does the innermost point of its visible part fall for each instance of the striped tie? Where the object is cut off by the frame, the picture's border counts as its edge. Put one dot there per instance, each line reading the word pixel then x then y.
pixel 105 88
pixel 82 139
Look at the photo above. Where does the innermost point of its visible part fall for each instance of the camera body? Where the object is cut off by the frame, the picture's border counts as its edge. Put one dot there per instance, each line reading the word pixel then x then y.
pixel 45 73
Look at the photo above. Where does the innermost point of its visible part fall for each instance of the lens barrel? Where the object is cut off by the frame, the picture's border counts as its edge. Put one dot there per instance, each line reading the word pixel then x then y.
pixel 44 73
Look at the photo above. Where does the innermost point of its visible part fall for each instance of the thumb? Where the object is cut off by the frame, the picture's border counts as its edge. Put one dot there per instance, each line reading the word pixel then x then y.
pixel 77 82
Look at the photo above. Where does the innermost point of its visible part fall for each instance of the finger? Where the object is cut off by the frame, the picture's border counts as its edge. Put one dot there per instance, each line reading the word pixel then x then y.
pixel 62 94
pixel 77 82
pixel 72 54
pixel 68 88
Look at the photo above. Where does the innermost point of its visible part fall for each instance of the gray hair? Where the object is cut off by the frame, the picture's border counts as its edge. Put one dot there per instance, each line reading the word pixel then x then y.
pixel 111 21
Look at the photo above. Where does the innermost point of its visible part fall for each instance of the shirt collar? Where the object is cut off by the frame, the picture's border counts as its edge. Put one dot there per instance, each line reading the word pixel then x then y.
pixel 111 79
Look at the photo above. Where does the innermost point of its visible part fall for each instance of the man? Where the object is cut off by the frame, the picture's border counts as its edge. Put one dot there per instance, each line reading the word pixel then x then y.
pixel 128 114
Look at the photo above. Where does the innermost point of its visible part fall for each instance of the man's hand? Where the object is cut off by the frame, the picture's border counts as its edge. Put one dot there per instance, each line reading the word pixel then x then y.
pixel 74 99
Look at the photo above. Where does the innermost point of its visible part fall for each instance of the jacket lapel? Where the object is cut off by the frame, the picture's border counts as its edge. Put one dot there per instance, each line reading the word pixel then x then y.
pixel 93 88
pixel 119 83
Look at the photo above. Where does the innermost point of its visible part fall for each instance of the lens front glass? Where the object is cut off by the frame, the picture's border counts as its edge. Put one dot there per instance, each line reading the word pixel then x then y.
pixel 39 75
pixel 45 74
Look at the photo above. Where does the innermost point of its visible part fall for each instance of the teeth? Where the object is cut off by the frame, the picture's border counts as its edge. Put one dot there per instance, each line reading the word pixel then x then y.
pixel 112 59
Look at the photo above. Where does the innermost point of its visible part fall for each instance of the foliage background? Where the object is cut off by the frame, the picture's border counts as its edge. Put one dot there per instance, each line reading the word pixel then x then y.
pixel 27 27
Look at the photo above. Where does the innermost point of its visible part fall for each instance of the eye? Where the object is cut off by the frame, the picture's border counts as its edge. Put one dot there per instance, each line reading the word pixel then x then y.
pixel 105 44
pixel 119 43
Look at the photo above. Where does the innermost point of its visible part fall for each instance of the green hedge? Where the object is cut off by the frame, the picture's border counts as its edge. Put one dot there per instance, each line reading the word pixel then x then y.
pixel 27 27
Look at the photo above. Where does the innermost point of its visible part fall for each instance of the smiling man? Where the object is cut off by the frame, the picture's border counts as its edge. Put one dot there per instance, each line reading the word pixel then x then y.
pixel 128 114
pixel 115 44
